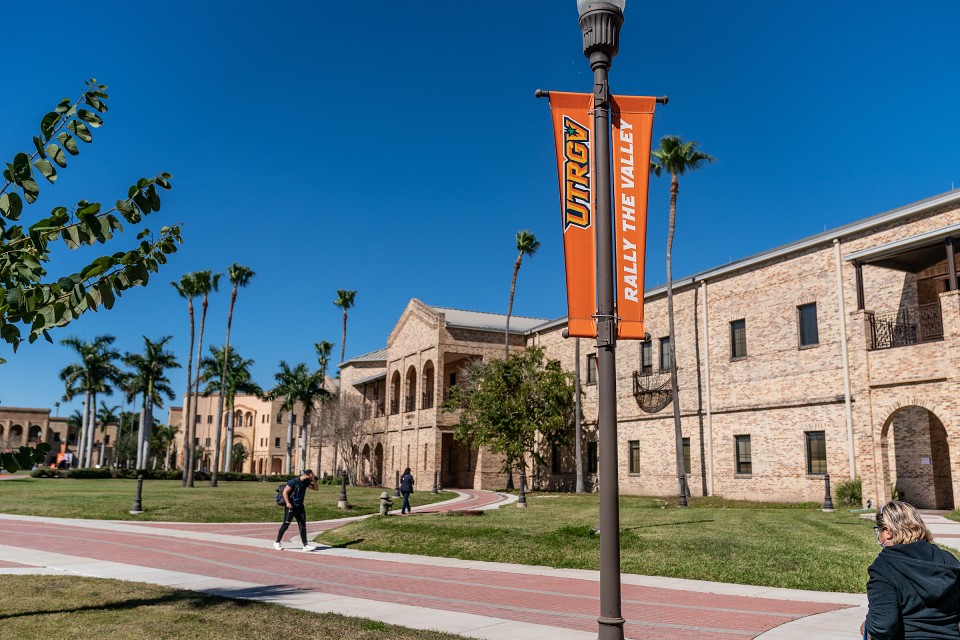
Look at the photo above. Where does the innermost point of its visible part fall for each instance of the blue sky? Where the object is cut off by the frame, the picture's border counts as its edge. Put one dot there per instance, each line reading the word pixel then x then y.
pixel 396 148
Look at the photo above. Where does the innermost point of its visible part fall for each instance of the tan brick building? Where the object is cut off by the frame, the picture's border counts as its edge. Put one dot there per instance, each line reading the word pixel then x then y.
pixel 835 353
pixel 24 426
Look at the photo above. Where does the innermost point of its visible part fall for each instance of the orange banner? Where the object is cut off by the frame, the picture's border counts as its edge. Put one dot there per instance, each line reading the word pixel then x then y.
pixel 632 133
pixel 573 132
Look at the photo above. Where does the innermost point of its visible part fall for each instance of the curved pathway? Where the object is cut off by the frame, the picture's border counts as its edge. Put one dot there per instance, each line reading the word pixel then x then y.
pixel 476 599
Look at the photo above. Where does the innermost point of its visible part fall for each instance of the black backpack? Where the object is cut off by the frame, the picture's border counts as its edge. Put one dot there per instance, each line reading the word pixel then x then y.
pixel 280 501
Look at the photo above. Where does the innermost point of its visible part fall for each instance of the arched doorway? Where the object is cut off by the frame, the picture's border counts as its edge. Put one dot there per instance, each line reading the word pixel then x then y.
pixel 915 458
pixel 378 465
pixel 365 465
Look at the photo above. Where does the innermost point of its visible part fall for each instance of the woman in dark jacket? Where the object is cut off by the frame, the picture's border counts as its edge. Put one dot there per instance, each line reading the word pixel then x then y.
pixel 914 586
pixel 406 488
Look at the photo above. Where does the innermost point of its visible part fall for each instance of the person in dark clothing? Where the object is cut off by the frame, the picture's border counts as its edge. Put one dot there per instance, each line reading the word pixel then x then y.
pixel 406 488
pixel 914 587
pixel 293 495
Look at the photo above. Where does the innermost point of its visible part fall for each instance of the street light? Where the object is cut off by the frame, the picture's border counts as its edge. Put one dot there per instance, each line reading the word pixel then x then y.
pixel 600 22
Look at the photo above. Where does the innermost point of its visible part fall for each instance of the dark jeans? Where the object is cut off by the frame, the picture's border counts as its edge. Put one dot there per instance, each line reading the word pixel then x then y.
pixel 288 515
pixel 406 501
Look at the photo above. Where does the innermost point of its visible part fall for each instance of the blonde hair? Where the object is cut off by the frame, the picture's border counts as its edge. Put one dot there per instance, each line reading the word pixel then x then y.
pixel 903 522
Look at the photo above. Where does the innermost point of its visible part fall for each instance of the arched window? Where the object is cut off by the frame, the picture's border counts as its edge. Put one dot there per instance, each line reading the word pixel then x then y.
pixel 410 401
pixel 395 393
pixel 428 383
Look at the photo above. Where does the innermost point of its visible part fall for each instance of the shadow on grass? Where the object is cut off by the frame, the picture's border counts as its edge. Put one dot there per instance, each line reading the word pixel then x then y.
pixel 197 600
pixel 666 524
pixel 344 545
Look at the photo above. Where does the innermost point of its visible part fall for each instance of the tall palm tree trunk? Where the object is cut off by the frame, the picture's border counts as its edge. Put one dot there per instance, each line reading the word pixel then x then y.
pixel 513 289
pixel 196 390
pixel 148 425
pixel 223 390
pixel 91 429
pixel 228 445
pixel 343 339
pixel 84 427
pixel 288 459
pixel 189 410
pixel 303 438
pixel 674 387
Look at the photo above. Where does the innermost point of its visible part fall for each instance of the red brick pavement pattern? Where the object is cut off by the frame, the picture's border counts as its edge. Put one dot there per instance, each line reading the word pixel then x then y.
pixel 651 613
pixel 15 565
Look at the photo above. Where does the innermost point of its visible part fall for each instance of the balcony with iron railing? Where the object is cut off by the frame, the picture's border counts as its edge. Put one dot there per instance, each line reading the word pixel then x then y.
pixel 426 402
pixel 410 403
pixel 394 406
pixel 907 326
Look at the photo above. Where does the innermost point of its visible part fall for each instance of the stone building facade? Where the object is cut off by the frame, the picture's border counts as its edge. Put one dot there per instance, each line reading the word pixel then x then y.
pixel 24 426
pixel 833 354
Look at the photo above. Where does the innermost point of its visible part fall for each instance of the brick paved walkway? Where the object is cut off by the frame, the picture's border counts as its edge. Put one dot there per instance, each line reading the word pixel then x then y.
pixel 483 600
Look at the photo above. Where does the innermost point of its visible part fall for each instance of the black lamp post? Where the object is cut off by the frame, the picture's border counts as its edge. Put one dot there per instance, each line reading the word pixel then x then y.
pixel 600 22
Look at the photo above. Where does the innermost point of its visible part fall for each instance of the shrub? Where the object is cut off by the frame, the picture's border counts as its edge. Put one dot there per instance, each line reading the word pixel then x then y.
pixel 850 493
pixel 43 472
pixel 89 473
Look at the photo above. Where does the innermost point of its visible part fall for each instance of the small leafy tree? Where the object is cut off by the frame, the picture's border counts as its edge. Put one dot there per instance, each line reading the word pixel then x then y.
pixel 511 405
pixel 31 296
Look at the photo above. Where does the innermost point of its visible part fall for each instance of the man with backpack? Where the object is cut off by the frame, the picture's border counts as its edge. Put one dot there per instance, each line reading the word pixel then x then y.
pixel 292 501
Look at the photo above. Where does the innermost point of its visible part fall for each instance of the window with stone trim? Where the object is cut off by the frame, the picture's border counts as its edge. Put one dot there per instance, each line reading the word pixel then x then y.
pixel 807 322
pixel 816 452
pixel 665 362
pixel 634 457
pixel 744 458
pixel 591 368
pixel 738 339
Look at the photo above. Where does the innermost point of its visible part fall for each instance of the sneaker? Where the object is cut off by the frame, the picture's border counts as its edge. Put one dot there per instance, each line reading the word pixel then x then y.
pixel 278 546
pixel 308 547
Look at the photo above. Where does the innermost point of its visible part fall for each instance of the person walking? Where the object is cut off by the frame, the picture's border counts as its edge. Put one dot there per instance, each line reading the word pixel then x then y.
pixel 406 488
pixel 293 495
pixel 914 586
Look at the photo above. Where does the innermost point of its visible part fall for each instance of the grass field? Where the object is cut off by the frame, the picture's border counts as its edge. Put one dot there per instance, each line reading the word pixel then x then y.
pixel 67 607
pixel 737 542
pixel 168 501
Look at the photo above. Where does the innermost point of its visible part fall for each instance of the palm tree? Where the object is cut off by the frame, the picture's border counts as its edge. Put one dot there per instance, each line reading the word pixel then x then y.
pixel 297 385
pixel 323 349
pixel 149 379
pixel 238 380
pixel 240 276
pixel 187 288
pixel 527 245
pixel 344 301
pixel 204 282
pixel 162 438
pixel 676 157
pixel 94 373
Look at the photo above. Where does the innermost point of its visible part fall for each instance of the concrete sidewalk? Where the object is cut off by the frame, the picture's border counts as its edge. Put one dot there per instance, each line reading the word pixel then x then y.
pixel 474 599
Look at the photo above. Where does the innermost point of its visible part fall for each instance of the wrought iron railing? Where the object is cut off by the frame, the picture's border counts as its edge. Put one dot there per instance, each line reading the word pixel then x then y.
pixel 411 403
pixel 427 401
pixel 394 406
pixel 909 325
pixel 381 411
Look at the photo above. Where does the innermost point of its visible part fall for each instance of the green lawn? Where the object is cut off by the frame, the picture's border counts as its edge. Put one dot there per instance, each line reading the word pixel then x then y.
pixel 747 543
pixel 168 501
pixel 70 607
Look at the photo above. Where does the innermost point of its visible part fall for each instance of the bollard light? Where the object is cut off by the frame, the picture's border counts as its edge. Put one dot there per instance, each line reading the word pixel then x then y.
pixel 137 507
pixel 396 490
pixel 827 500
pixel 522 497
pixel 435 475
